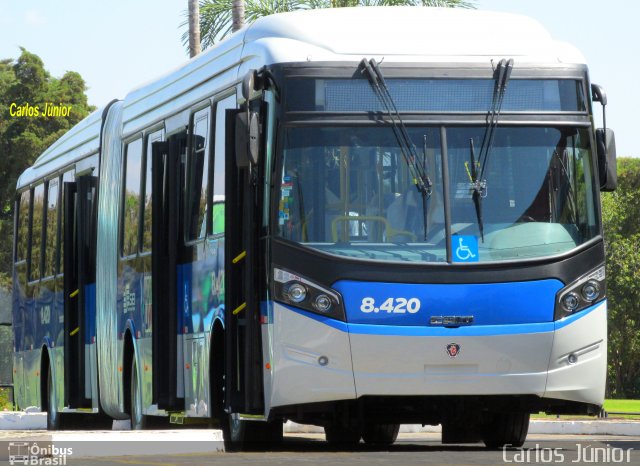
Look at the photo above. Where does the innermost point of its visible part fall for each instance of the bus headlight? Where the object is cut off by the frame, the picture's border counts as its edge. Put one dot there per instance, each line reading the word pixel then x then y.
pixel 591 290
pixel 580 294
pixel 303 293
pixel 296 292
pixel 322 303
pixel 570 301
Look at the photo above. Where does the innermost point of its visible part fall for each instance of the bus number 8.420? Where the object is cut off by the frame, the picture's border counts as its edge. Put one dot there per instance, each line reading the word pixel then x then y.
pixel 391 305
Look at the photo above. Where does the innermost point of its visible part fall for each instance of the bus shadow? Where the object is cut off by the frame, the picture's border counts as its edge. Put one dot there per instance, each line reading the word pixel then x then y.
pixel 305 444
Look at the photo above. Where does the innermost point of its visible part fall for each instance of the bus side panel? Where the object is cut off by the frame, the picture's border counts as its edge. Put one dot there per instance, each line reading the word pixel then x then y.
pixel 300 374
pixel 583 335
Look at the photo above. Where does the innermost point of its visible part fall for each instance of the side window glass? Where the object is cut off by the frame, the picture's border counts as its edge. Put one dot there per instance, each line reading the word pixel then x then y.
pixel 51 235
pixel 148 183
pixel 22 232
pixel 198 177
pixel 131 197
pixel 219 164
pixel 36 232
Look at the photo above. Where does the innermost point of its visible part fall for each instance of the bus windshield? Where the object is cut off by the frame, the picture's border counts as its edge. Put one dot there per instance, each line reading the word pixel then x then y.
pixel 348 191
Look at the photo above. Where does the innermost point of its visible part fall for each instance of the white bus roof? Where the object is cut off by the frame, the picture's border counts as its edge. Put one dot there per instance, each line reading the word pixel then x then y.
pixel 407 34
pixel 393 34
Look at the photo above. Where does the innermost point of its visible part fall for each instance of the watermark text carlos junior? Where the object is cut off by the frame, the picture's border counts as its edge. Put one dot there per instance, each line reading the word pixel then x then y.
pixel 47 110
pixel 583 454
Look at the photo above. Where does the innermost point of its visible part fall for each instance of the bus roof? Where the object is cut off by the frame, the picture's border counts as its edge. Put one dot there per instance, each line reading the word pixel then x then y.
pixel 406 34
pixel 81 140
pixel 392 34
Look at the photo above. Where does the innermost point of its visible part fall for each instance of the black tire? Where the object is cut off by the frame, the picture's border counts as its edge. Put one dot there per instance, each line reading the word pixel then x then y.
pixel 340 435
pixel 54 418
pixel 72 421
pixel 506 429
pixel 252 435
pixel 138 420
pixel 380 434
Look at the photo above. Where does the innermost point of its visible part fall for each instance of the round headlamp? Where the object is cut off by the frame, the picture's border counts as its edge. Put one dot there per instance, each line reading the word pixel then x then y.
pixel 570 301
pixel 322 303
pixel 591 290
pixel 296 292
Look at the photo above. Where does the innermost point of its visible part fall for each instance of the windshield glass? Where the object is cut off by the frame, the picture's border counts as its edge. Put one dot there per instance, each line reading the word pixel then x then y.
pixel 347 191
pixel 538 198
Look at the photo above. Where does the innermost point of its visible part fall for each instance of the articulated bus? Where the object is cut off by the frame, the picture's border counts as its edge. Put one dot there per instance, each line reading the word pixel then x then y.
pixel 353 218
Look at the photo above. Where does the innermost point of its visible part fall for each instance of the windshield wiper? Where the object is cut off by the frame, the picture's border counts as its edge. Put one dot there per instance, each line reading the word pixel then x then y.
pixel 478 183
pixel 504 74
pixel 407 147
pixel 479 188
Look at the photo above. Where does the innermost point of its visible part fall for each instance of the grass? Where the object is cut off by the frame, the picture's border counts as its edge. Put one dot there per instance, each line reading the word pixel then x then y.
pixel 616 406
pixel 5 400
pixel 627 406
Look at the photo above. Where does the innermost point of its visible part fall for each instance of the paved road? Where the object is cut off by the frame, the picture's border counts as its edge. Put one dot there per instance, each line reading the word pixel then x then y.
pixel 168 448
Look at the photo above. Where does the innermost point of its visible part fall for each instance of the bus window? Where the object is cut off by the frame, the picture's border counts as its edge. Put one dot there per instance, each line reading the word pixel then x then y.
pixel 147 206
pixel 22 234
pixel 219 165
pixel 131 197
pixel 51 232
pixel 198 176
pixel 36 232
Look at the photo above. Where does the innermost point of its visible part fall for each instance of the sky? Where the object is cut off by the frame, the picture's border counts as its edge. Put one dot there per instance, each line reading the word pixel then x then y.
pixel 117 45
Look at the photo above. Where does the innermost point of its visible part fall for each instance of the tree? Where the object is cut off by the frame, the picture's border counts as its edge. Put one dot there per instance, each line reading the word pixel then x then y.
pixel 620 214
pixel 219 18
pixel 22 139
pixel 194 28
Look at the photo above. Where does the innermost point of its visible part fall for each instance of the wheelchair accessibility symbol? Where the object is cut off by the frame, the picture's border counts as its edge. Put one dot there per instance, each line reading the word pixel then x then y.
pixel 465 248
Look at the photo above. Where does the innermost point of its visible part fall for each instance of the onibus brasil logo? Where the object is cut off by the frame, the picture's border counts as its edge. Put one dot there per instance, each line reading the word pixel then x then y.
pixel 30 453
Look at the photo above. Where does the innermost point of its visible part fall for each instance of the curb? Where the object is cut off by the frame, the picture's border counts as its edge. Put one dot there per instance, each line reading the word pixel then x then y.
pixel 18 420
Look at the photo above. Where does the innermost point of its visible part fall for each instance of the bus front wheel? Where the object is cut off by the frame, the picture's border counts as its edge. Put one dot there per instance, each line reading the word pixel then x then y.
pixel 341 435
pixel 252 435
pixel 380 434
pixel 506 429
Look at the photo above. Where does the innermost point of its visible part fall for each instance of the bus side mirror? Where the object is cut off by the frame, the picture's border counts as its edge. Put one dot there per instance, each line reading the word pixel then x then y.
pixel 605 145
pixel 247 138
pixel 607 168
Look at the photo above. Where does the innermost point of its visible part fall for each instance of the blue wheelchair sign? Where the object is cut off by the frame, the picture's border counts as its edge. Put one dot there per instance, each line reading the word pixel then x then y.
pixel 464 248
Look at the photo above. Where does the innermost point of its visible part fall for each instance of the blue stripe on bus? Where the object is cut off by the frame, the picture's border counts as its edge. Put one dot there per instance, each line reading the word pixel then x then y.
pixel 511 303
pixel 479 330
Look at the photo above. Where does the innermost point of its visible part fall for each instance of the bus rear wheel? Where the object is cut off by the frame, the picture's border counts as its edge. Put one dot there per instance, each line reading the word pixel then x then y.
pixel 138 420
pixel 506 429
pixel 380 434
pixel 53 416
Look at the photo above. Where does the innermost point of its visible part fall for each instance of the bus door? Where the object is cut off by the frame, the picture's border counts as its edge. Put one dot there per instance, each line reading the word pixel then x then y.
pixel 244 277
pixel 80 209
pixel 167 250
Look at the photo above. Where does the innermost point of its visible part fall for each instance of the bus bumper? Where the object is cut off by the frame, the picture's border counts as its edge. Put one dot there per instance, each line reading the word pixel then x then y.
pixel 563 360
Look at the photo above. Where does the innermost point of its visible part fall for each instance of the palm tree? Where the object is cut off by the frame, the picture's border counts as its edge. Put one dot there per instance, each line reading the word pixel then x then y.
pixel 219 18
pixel 194 28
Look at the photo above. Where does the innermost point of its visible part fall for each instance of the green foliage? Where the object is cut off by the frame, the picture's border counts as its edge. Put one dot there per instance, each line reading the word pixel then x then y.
pixel 620 212
pixel 23 139
pixel 215 15
pixel 5 400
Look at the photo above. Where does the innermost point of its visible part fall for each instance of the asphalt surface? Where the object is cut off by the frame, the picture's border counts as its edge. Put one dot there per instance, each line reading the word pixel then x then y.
pixel 184 448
